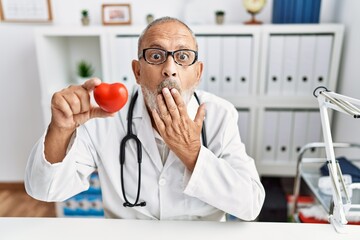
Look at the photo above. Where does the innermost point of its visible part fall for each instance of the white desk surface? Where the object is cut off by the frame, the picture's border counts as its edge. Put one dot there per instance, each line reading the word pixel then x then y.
pixel 104 229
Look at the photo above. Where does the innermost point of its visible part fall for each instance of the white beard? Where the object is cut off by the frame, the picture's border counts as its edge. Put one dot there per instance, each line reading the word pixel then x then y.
pixel 150 96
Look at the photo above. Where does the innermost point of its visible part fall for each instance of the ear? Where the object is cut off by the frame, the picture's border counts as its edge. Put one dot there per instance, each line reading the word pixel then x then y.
pixel 136 70
pixel 199 70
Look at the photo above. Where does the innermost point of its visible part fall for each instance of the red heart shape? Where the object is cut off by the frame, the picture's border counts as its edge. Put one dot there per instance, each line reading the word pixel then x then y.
pixel 111 97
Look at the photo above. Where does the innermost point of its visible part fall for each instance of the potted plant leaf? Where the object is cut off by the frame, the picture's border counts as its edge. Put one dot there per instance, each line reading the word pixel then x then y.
pixel 85 71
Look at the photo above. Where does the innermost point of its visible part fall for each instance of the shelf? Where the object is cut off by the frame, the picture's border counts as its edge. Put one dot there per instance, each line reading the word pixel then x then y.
pixel 236 68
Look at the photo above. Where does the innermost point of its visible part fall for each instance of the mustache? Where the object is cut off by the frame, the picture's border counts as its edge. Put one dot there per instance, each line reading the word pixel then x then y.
pixel 170 84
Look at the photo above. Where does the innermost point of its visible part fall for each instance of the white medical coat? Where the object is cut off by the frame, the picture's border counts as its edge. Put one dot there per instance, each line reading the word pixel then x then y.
pixel 224 179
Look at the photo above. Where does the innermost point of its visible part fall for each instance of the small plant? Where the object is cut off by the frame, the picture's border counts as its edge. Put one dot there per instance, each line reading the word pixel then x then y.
pixel 85 69
pixel 84 13
pixel 220 13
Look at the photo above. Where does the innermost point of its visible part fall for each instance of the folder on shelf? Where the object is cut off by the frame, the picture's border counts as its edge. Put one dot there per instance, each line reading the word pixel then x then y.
pixel 244 65
pixel 315 14
pixel 323 52
pixel 314 133
pixel 304 81
pixel 125 50
pixel 284 137
pixel 291 54
pixel 298 11
pixel 214 63
pixel 202 50
pixel 275 65
pixel 229 66
pixel 270 130
pixel 300 122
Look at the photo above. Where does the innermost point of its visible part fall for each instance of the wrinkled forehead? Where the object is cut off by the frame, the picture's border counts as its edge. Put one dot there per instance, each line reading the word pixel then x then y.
pixel 173 35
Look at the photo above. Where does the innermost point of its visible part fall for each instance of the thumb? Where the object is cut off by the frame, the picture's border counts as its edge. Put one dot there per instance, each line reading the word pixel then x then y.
pixel 90 84
pixel 200 115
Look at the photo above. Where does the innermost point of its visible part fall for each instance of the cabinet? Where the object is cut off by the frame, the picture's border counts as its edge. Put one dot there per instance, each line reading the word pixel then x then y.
pixel 268 72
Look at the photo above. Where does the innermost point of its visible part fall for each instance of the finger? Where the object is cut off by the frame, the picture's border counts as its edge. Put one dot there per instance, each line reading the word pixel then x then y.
pixel 170 103
pixel 90 84
pixel 59 103
pixel 84 96
pixel 158 121
pixel 163 110
pixel 73 101
pixel 200 115
pixel 179 101
pixel 97 112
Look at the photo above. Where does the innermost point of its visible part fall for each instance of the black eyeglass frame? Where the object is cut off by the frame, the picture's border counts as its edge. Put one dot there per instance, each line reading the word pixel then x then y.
pixel 167 53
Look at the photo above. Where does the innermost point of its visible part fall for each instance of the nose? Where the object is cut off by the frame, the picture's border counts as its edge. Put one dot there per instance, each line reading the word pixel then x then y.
pixel 169 67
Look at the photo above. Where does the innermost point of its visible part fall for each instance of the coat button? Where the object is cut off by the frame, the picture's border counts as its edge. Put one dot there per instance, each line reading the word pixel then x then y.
pixel 162 182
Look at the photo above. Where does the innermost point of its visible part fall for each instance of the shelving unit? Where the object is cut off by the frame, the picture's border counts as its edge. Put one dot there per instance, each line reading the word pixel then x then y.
pixel 238 67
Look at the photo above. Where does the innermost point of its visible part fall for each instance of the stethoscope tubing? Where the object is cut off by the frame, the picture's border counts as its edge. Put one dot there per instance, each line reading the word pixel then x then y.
pixel 131 136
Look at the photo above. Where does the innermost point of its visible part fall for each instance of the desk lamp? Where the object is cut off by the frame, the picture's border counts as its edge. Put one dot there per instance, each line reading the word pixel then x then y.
pixel 346 105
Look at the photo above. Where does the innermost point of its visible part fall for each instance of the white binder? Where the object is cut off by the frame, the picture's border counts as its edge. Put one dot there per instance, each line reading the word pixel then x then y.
pixel 125 50
pixel 243 123
pixel 275 61
pixel 270 131
pixel 202 52
pixel 304 80
pixel 290 64
pixel 244 63
pixel 323 53
pixel 314 133
pixel 214 63
pixel 285 125
pixel 300 120
pixel 229 66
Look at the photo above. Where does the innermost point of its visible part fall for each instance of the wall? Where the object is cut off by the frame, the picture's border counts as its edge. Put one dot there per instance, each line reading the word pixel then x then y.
pixel 21 120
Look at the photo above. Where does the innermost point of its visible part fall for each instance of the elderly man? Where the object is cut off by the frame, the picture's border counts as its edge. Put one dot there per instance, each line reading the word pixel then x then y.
pixel 182 174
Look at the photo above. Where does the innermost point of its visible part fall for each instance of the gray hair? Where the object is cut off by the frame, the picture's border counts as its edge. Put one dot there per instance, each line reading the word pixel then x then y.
pixel 160 21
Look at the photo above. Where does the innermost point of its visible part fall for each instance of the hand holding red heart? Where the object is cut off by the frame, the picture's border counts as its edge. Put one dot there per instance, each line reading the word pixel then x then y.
pixel 71 106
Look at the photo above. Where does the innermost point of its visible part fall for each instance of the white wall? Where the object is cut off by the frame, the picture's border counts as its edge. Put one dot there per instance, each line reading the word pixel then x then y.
pixel 21 120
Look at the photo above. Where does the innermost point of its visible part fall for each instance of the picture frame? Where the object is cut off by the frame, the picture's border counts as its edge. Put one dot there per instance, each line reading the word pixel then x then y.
pixel 25 11
pixel 116 14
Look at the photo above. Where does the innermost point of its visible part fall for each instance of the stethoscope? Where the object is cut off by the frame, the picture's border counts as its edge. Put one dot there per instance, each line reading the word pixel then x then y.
pixel 131 136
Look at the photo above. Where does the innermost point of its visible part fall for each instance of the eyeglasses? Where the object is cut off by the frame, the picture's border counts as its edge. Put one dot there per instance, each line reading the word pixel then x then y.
pixel 156 56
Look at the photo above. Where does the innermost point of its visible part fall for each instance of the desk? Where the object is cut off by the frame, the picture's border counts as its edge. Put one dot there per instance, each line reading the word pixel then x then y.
pixel 108 229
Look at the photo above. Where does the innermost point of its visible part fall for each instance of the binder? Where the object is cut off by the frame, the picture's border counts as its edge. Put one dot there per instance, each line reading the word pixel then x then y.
pixel 315 15
pixel 299 8
pixel 304 81
pixel 285 126
pixel 307 11
pixel 291 55
pixel 314 133
pixel 244 65
pixel 229 66
pixel 276 13
pixel 275 61
pixel 214 62
pixel 243 124
pixel 125 50
pixel 323 53
pixel 270 130
pixel 300 121
pixel 202 50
